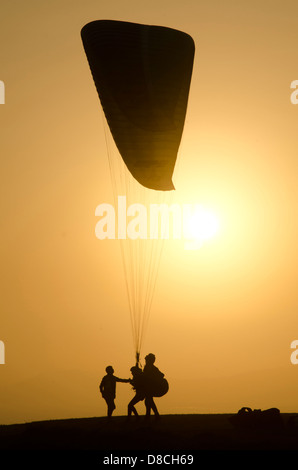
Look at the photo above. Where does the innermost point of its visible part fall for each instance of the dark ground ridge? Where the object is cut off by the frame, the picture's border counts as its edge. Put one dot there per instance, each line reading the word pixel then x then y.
pixel 196 432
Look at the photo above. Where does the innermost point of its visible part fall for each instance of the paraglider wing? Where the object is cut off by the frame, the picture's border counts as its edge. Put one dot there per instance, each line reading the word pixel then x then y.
pixel 142 75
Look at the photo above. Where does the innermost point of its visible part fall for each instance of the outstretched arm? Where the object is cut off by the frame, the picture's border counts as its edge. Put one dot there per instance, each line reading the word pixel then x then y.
pixel 122 380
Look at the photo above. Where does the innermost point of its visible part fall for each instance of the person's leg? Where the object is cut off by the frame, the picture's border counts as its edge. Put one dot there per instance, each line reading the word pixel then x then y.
pixel 148 406
pixel 131 408
pixel 111 406
pixel 154 408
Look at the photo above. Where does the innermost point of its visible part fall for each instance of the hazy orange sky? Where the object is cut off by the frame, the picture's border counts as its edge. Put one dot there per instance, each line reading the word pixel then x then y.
pixel 224 316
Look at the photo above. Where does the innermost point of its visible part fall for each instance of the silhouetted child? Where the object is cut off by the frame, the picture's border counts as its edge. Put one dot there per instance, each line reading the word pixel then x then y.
pixel 137 382
pixel 152 378
pixel 107 388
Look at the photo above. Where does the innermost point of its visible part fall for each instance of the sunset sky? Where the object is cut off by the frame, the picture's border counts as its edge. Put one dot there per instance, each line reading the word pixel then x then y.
pixel 223 316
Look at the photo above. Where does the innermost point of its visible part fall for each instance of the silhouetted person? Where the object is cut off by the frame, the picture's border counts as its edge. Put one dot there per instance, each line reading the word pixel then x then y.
pixel 152 377
pixel 137 382
pixel 107 388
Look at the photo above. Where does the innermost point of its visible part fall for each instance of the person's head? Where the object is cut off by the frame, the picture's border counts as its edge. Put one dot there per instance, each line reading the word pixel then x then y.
pixel 135 370
pixel 150 358
pixel 109 370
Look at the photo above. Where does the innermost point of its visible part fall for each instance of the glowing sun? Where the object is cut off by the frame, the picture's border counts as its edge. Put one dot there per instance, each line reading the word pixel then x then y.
pixel 201 226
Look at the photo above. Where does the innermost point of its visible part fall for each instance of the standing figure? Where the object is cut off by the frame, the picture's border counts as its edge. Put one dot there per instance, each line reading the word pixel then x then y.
pixel 152 379
pixel 107 388
pixel 138 385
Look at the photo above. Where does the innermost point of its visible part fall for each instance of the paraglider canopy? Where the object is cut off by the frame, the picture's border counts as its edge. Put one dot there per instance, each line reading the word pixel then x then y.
pixel 142 74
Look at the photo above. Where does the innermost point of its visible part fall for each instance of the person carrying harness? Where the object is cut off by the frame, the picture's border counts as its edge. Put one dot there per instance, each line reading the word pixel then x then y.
pixel 155 385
